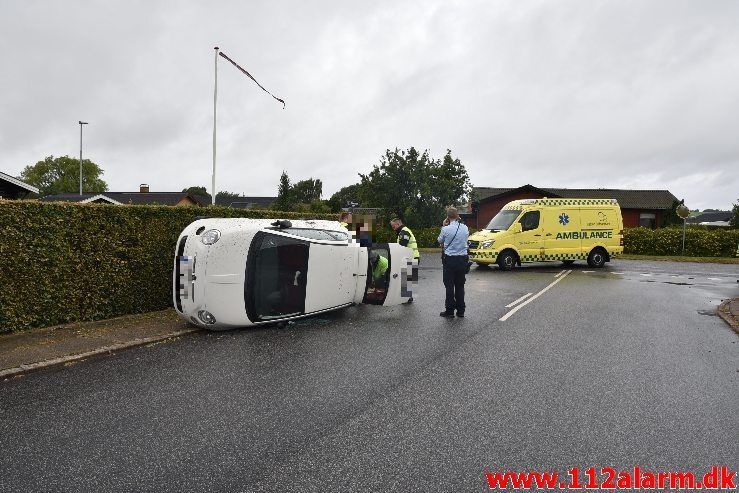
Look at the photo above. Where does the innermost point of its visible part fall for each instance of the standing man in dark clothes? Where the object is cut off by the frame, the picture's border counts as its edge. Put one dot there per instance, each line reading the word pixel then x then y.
pixel 453 241
pixel 406 237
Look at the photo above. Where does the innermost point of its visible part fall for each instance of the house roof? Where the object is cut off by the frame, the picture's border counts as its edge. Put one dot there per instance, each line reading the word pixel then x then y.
pixel 710 217
pixel 10 186
pixel 245 202
pixel 135 198
pixel 627 199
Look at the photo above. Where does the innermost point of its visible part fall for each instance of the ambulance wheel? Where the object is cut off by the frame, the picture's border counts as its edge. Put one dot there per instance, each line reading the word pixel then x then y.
pixel 568 262
pixel 597 258
pixel 507 260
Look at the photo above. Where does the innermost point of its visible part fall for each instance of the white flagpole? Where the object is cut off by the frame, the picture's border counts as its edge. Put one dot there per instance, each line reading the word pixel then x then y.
pixel 215 98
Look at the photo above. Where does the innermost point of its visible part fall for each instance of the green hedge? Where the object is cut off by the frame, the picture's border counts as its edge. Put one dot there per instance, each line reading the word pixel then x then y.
pixel 426 237
pixel 68 262
pixel 699 242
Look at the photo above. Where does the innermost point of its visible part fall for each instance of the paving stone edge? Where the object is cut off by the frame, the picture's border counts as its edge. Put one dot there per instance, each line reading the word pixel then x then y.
pixel 31 367
pixel 725 313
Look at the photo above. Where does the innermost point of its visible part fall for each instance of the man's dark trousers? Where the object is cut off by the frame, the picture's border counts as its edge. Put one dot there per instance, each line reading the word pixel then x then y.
pixel 455 268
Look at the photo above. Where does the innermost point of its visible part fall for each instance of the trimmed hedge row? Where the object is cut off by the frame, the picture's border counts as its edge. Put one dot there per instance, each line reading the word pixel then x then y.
pixel 699 241
pixel 68 262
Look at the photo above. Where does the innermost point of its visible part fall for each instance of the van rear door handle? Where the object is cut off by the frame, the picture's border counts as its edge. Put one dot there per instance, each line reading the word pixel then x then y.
pixel 537 235
pixel 549 234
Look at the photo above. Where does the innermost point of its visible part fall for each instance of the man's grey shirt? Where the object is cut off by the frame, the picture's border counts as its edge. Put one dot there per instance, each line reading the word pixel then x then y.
pixel 454 245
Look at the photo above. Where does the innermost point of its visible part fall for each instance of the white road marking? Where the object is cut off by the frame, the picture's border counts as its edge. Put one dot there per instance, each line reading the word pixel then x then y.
pixel 518 300
pixel 560 273
pixel 646 275
pixel 587 271
pixel 618 273
pixel 714 279
pixel 514 310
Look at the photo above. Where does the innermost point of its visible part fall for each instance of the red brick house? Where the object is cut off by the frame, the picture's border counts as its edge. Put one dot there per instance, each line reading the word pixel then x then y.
pixel 638 207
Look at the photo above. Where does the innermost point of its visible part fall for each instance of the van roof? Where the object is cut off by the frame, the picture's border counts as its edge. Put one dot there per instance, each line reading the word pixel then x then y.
pixel 519 204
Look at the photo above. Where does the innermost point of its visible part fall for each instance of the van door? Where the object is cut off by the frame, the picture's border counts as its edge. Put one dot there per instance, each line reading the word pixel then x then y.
pixel 529 241
pixel 389 273
pixel 562 233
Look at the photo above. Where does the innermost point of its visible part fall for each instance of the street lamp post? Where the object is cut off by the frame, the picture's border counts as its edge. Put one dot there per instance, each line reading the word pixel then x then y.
pixel 683 212
pixel 81 123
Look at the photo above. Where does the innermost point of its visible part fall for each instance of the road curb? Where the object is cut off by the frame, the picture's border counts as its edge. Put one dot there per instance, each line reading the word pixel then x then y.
pixel 724 311
pixel 31 367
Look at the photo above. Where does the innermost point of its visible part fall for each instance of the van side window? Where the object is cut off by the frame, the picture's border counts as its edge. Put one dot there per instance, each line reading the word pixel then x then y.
pixel 530 221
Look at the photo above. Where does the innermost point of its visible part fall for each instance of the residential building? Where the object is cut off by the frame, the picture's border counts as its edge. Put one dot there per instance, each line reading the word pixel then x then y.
pixel 12 188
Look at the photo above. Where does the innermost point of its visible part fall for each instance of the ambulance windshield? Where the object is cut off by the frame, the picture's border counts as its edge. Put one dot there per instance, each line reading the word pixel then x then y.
pixel 503 220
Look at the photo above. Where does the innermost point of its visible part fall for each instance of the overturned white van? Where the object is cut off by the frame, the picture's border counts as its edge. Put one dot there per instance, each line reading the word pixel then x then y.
pixel 238 272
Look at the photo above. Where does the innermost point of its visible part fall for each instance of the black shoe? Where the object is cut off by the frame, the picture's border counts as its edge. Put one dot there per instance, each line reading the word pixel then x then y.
pixel 447 314
pixel 460 314
pixel 410 300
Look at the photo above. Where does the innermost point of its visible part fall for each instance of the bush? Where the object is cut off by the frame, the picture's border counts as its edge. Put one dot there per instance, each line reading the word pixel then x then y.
pixel 425 237
pixel 699 241
pixel 68 262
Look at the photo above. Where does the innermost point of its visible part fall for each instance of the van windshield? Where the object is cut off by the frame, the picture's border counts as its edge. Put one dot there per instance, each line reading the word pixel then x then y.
pixel 503 220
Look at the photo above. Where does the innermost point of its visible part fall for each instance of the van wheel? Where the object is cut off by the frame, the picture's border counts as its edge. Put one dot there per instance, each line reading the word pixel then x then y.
pixel 568 262
pixel 507 260
pixel 597 258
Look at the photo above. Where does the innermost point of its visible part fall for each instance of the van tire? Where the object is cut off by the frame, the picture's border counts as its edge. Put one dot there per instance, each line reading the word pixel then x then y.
pixel 597 258
pixel 507 260
pixel 568 262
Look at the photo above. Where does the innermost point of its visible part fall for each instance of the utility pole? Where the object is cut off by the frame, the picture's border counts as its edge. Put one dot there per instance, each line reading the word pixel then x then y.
pixel 81 123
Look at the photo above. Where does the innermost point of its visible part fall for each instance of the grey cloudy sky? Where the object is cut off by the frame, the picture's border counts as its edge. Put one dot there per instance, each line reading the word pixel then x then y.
pixel 591 93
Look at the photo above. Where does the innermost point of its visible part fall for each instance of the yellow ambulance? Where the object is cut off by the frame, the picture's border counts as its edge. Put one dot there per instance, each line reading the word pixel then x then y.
pixel 537 230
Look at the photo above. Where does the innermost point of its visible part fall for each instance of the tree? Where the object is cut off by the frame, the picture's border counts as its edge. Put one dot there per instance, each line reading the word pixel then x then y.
pixel 346 197
pixel 671 218
pixel 197 191
pixel 414 186
pixel 304 195
pixel 224 197
pixel 306 191
pixel 734 221
pixel 62 175
pixel 284 200
pixel 230 196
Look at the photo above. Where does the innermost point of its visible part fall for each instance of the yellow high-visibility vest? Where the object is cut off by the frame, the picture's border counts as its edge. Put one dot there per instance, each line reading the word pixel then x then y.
pixel 412 244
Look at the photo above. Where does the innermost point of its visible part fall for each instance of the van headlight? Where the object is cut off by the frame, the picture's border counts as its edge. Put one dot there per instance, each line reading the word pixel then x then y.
pixel 487 244
pixel 211 236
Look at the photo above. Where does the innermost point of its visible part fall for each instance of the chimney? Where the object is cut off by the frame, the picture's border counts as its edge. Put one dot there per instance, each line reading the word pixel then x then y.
pixel 144 188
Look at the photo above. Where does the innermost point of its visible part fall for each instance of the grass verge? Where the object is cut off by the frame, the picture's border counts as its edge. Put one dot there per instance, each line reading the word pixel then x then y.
pixel 680 258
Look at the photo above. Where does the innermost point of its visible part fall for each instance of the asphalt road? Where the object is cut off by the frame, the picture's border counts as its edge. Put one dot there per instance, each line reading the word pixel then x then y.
pixel 622 366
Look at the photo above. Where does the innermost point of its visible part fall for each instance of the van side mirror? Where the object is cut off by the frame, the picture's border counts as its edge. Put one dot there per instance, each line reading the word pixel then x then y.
pixel 516 228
